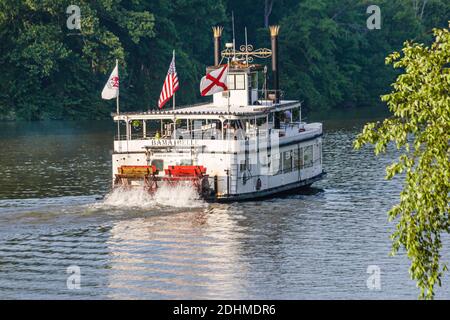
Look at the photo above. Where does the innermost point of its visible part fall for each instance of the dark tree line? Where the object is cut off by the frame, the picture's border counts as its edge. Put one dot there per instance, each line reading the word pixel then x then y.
pixel 328 56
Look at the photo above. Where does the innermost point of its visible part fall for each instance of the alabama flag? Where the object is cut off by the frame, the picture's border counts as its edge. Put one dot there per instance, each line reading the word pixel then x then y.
pixel 215 81
pixel 111 89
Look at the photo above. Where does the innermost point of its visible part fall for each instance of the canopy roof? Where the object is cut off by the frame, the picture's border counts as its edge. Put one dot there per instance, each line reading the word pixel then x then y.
pixel 210 111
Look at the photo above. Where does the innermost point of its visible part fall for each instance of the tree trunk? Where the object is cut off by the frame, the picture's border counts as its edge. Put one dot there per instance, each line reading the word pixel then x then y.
pixel 423 8
pixel 419 8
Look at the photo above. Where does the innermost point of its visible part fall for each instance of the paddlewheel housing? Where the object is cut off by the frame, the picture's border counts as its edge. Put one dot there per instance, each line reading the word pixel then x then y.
pixel 151 179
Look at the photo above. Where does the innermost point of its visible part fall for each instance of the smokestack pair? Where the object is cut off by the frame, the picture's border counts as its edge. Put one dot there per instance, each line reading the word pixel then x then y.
pixel 274 31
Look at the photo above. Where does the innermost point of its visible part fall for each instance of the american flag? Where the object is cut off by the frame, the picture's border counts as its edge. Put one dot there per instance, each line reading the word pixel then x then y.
pixel 170 85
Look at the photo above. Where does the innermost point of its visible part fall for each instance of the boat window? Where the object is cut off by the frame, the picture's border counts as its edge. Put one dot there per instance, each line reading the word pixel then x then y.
pixel 186 162
pixel 231 82
pixel 136 128
pixel 152 127
pixel 213 130
pixel 254 80
pixel 181 129
pixel 264 159
pixel 275 164
pixel 300 158
pixel 197 127
pixel 240 81
pixel 308 156
pixel 167 131
pixel 287 161
pixel 159 164
pixel 295 158
pixel 122 131
pixel 320 153
pixel 233 130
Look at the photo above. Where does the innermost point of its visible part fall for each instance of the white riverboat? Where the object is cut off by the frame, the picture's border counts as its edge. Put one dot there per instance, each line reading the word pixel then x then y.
pixel 248 142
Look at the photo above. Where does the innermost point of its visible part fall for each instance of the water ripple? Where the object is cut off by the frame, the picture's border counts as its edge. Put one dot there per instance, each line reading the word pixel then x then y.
pixel 313 245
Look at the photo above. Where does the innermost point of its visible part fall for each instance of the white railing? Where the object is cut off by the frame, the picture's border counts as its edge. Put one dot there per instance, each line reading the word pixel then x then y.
pixel 232 141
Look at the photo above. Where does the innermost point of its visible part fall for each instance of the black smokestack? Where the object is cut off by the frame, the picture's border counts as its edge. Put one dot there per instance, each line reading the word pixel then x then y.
pixel 217 31
pixel 274 30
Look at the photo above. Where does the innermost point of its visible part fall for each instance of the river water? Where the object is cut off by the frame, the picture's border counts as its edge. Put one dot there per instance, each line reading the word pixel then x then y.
pixel 315 245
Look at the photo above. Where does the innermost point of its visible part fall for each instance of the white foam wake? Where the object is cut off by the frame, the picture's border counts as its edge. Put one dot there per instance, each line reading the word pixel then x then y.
pixel 179 196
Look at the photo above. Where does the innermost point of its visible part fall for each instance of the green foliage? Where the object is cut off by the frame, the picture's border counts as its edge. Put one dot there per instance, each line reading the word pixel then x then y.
pixel 49 73
pixel 420 126
pixel 331 59
pixel 327 55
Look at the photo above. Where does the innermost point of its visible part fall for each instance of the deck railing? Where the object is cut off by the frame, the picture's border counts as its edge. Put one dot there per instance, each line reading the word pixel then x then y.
pixel 285 129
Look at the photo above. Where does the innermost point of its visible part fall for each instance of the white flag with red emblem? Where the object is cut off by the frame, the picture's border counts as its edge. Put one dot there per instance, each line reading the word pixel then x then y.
pixel 215 81
pixel 111 89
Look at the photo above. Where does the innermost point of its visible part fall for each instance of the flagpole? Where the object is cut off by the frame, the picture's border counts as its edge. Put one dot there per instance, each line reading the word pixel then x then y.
pixel 228 89
pixel 117 102
pixel 173 100
pixel 117 98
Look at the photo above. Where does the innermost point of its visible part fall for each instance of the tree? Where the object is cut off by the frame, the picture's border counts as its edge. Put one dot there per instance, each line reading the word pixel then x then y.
pixel 308 40
pixel 49 74
pixel 420 127
pixel 328 57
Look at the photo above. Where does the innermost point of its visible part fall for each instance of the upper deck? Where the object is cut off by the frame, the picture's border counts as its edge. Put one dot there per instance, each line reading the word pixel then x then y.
pixel 213 128
pixel 209 121
pixel 209 110
pixel 246 109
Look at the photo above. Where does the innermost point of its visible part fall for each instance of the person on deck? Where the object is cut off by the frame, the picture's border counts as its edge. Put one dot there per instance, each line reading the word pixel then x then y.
pixel 287 116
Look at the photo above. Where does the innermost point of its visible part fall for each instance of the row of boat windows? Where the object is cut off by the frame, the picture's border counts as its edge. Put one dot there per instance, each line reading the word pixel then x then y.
pixel 291 160
pixel 286 161
pixel 297 159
